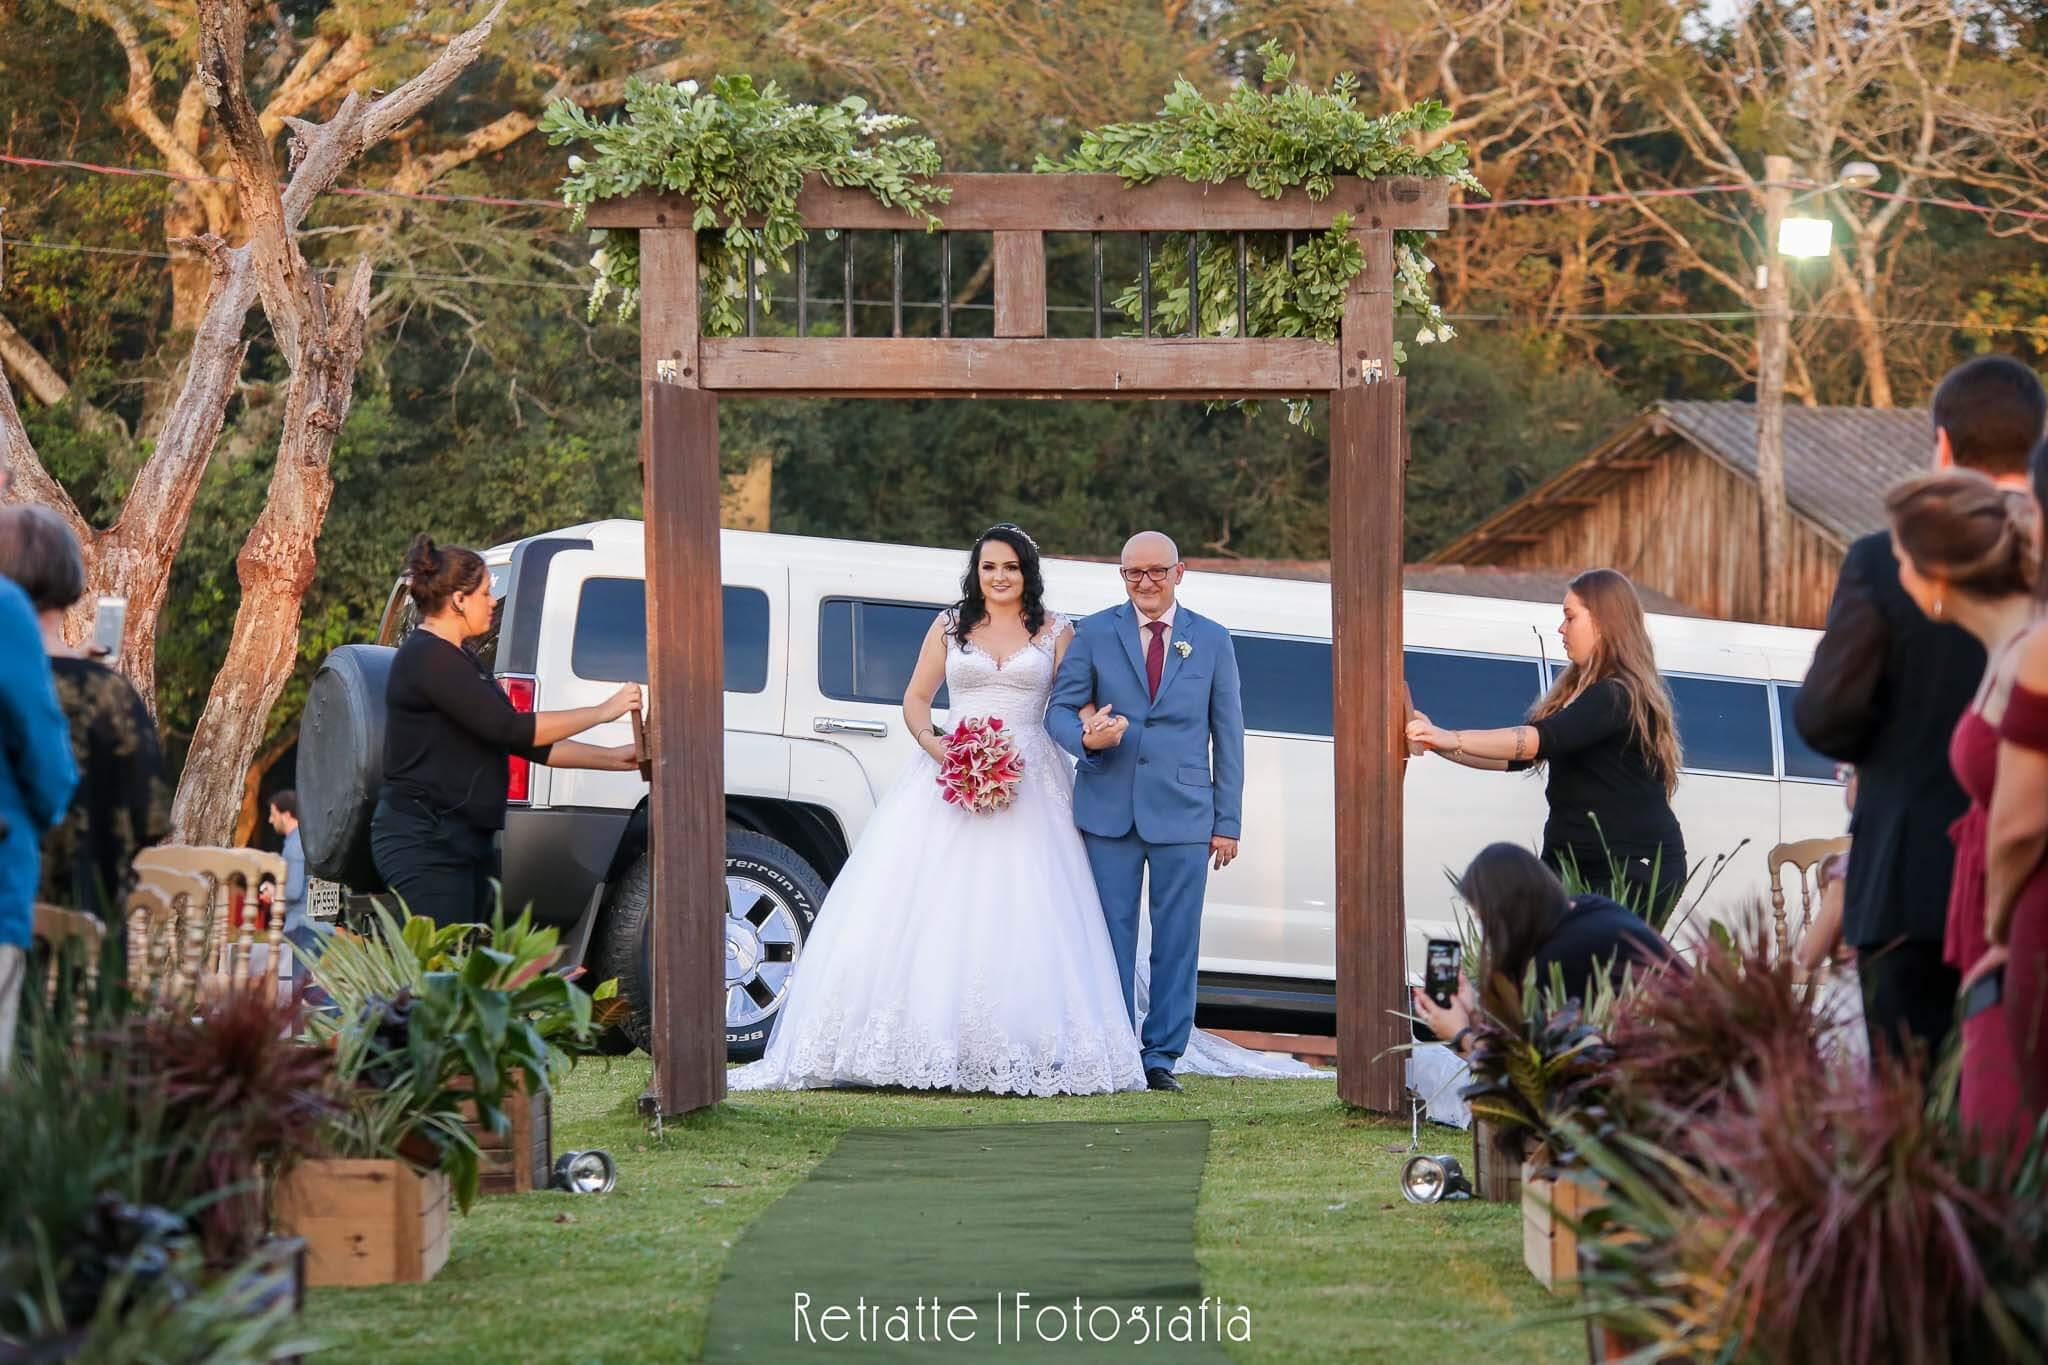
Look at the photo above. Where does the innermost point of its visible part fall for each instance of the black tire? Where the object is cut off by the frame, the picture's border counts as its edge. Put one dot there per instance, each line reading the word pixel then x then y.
pixel 341 764
pixel 771 891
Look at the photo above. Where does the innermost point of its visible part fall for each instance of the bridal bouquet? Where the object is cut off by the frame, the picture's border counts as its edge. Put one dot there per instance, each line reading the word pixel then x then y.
pixel 982 768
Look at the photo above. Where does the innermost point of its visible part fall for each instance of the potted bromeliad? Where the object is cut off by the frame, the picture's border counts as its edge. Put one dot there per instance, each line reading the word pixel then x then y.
pixel 1538 1062
pixel 1764 1202
pixel 440 1036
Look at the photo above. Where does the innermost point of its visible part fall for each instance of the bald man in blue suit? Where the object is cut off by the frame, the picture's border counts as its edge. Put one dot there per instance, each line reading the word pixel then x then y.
pixel 1159 782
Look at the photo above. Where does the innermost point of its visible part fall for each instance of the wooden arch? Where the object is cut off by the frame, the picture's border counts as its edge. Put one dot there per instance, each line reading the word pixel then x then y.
pixel 683 372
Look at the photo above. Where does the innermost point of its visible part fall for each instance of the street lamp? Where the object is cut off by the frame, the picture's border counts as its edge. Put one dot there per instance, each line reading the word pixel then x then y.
pixel 1791 237
pixel 1809 238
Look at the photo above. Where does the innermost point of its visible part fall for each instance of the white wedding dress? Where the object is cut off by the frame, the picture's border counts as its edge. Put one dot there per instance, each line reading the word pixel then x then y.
pixel 968 952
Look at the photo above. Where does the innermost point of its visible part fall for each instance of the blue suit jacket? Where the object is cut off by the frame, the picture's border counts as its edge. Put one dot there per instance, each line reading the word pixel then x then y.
pixel 1178 775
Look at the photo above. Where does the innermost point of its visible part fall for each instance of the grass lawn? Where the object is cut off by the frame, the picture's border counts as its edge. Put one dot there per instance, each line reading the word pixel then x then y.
pixel 1299 1220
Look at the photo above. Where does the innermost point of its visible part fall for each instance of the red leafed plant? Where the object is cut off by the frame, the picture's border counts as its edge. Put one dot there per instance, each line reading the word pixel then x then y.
pixel 982 768
pixel 1684 1036
pixel 241 1099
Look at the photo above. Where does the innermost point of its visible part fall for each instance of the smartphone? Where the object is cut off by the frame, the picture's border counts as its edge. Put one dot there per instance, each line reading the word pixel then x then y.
pixel 1440 972
pixel 109 619
pixel 1986 991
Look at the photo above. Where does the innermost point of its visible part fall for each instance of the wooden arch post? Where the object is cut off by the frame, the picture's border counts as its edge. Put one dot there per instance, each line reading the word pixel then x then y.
pixel 683 372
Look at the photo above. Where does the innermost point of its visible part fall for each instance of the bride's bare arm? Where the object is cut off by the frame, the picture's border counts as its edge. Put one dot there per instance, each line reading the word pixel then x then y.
pixel 925 681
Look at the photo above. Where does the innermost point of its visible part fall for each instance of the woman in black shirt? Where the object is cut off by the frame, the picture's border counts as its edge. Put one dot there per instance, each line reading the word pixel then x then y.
pixel 448 735
pixel 1526 919
pixel 1606 733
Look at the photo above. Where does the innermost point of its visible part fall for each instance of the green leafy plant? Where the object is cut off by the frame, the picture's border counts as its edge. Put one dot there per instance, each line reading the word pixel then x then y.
pixel 1536 1062
pixel 429 1019
pixel 134 1285
pixel 1276 135
pixel 1639 897
pixel 400 953
pixel 738 153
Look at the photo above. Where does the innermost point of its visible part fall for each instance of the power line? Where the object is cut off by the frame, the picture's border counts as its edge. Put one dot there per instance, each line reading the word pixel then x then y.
pixel 151 173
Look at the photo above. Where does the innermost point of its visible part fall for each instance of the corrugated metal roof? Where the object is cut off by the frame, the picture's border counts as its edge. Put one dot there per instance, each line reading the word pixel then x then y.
pixel 1838 461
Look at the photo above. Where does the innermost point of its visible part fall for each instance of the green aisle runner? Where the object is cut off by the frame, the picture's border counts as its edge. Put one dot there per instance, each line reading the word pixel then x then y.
pixel 911 1234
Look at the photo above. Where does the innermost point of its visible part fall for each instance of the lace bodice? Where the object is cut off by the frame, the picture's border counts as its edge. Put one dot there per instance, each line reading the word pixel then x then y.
pixel 1015 688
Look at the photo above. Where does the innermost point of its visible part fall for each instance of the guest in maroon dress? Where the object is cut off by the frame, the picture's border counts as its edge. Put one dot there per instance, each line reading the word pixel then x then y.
pixel 1966 554
pixel 2016 881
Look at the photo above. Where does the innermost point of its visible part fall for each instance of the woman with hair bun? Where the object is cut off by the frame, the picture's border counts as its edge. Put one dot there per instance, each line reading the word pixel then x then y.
pixel 1966 553
pixel 448 735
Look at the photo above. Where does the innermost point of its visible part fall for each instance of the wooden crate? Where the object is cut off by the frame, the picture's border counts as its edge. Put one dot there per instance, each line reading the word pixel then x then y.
pixel 1550 1248
pixel 522 1158
pixel 366 1221
pixel 1496 1176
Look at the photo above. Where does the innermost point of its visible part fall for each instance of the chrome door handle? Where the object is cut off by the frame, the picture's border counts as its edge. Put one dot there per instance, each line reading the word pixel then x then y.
pixel 832 725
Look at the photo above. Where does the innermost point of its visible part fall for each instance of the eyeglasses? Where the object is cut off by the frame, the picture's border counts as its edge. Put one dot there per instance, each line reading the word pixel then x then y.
pixel 1140 575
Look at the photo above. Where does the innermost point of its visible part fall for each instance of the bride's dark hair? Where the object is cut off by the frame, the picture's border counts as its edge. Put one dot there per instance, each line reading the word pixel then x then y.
pixel 972 608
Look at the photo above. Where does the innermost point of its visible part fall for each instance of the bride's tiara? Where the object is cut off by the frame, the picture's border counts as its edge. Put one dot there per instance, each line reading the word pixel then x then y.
pixel 1010 528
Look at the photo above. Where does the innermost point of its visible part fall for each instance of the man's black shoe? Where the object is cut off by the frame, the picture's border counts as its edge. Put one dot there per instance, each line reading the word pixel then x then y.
pixel 1159 1078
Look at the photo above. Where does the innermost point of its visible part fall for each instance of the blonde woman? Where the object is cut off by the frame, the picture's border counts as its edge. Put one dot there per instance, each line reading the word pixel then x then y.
pixel 1605 733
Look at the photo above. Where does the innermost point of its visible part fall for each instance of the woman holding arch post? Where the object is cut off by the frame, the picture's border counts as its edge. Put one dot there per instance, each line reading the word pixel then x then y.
pixel 1606 732
pixel 449 735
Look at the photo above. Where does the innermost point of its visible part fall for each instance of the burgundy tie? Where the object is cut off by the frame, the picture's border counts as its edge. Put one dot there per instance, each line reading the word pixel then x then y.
pixel 1155 656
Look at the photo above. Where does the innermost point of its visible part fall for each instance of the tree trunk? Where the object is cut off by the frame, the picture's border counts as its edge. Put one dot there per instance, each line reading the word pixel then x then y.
pixel 275 567
pixel 252 785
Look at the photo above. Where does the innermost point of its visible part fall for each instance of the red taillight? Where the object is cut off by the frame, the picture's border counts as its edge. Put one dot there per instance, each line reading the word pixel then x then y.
pixel 519 780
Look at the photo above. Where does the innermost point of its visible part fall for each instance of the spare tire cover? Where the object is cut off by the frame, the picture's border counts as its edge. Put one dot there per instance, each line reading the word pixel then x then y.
pixel 341 764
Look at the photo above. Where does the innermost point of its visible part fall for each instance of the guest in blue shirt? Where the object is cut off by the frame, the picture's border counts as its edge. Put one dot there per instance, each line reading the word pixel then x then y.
pixel 307 936
pixel 36 777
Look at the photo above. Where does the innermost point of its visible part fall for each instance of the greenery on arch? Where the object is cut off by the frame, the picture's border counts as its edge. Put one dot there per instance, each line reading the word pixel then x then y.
pixel 737 152
pixel 1277 135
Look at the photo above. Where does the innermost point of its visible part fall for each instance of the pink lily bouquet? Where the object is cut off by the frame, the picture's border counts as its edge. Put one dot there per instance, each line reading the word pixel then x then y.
pixel 982 768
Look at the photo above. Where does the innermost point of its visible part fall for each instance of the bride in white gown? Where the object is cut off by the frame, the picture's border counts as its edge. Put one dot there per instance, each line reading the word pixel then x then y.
pixel 968 952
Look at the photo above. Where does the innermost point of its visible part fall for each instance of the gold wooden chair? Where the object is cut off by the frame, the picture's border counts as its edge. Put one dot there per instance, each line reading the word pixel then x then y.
pixel 75 934
pixel 168 918
pixel 1805 855
pixel 228 948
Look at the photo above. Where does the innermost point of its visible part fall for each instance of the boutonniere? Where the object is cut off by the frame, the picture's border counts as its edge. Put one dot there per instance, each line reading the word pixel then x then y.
pixel 1184 647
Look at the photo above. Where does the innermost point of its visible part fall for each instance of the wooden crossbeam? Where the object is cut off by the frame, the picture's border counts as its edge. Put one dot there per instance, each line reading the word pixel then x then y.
pixel 1085 203
pixel 1122 367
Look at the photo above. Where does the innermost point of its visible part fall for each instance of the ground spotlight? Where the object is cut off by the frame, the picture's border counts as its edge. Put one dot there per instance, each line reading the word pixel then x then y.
pixel 1432 1179
pixel 590 1172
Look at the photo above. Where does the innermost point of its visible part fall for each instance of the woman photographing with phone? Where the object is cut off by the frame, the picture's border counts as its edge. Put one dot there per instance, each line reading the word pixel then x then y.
pixel 449 734
pixel 1527 919
pixel 1605 731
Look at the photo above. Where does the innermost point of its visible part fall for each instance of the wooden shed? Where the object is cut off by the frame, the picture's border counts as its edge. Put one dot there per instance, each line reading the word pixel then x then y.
pixel 1671 501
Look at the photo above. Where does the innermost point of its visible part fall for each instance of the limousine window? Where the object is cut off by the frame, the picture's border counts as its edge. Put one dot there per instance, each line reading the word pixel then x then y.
pixel 1801 758
pixel 1724 725
pixel 868 650
pixel 611 634
pixel 1286 684
pixel 1471 691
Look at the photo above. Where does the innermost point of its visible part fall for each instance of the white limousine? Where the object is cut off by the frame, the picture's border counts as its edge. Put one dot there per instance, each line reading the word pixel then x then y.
pixel 820 637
